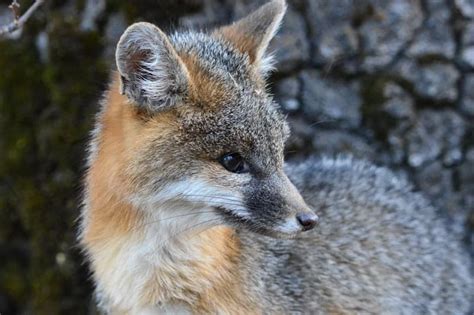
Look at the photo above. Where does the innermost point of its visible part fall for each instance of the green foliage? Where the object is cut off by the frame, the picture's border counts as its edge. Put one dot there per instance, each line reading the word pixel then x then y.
pixel 46 110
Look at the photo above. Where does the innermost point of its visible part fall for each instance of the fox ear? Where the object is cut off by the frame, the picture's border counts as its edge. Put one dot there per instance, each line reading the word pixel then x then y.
pixel 152 74
pixel 252 34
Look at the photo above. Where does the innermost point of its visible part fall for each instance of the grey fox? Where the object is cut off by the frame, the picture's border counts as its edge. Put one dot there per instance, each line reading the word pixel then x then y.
pixel 189 207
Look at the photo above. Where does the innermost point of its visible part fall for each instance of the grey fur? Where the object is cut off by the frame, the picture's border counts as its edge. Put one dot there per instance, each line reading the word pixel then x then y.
pixel 380 249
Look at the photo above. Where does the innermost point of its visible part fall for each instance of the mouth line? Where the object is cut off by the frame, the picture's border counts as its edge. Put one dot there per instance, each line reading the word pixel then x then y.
pixel 230 214
pixel 246 223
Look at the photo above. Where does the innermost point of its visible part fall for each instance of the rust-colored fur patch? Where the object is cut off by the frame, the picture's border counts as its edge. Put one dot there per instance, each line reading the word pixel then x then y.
pixel 108 214
pixel 123 133
pixel 228 294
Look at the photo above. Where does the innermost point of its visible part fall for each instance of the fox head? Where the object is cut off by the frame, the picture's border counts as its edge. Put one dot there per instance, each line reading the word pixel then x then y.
pixel 206 134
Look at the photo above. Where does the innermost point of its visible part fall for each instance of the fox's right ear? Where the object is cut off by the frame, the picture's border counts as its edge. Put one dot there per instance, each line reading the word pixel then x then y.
pixel 153 75
pixel 252 34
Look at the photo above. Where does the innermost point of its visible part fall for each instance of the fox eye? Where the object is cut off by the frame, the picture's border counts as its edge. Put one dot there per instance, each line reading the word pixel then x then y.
pixel 234 162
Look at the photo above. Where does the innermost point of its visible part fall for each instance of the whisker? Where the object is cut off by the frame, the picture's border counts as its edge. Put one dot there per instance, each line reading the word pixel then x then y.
pixel 190 228
pixel 169 218
pixel 322 121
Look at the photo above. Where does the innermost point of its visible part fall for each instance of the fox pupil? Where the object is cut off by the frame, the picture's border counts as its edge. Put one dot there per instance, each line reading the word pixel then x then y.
pixel 234 162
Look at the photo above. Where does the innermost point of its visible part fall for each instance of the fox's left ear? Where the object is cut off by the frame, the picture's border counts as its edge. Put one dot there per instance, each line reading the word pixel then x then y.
pixel 252 34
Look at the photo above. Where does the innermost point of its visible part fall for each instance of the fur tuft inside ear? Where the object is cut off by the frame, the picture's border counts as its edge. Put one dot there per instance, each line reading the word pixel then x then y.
pixel 252 34
pixel 153 75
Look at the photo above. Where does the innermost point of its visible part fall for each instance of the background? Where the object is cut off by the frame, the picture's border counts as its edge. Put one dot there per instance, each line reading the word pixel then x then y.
pixel 388 81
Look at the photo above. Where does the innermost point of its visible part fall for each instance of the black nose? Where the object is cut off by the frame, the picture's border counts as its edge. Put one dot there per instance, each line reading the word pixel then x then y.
pixel 308 220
